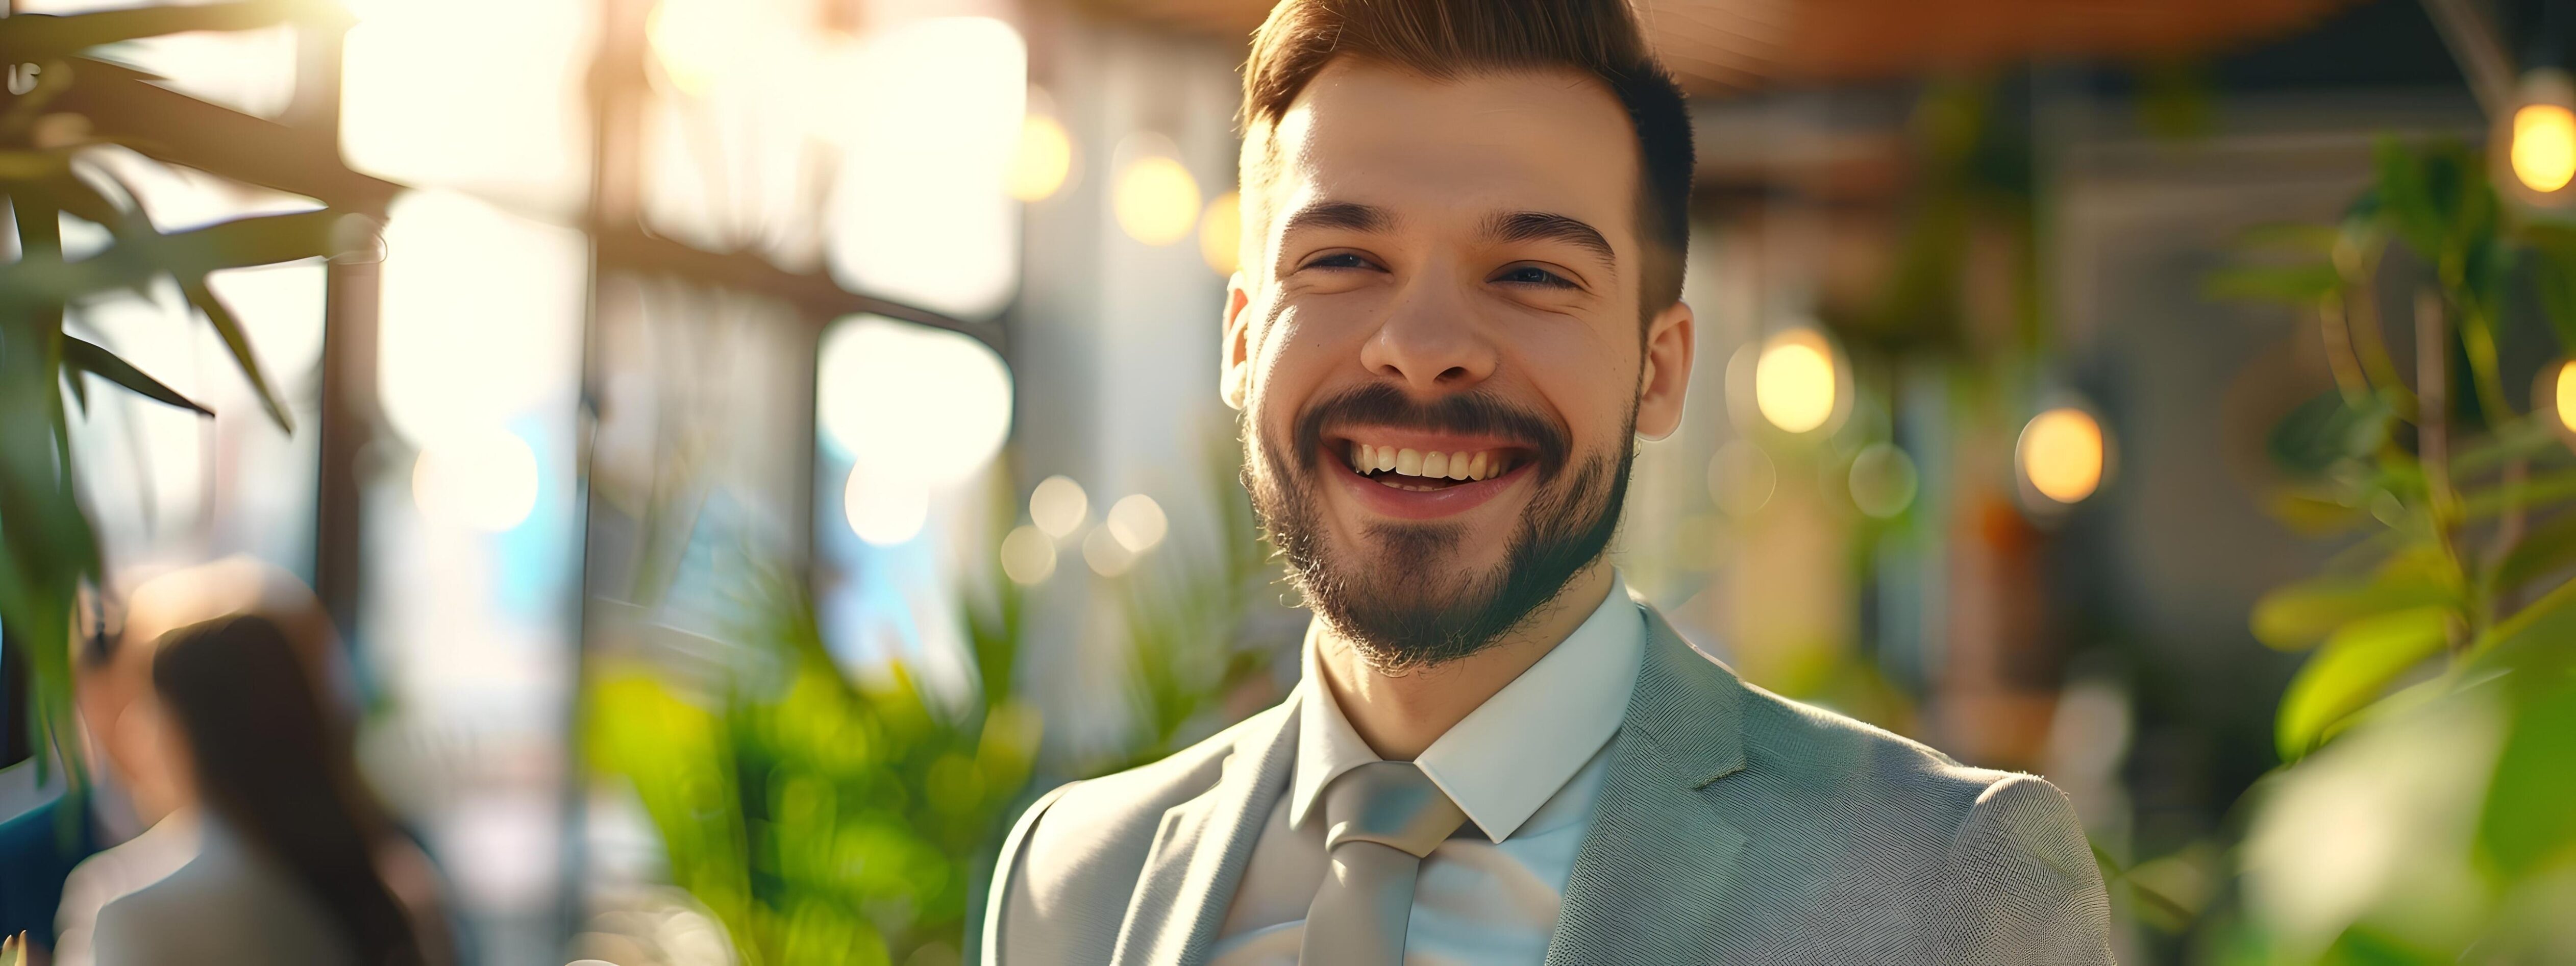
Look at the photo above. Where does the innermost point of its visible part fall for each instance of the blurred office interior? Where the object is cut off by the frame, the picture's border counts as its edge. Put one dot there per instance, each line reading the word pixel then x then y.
pixel 750 447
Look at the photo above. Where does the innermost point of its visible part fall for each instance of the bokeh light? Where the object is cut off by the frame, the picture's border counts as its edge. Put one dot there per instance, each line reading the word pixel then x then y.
pixel 1741 478
pixel 1137 522
pixel 1043 161
pixel 1883 480
pixel 1155 198
pixel 2062 454
pixel 1058 505
pixel 1793 381
pixel 1105 554
pixel 913 402
pixel 459 358
pixel 2544 146
pixel 487 481
pixel 935 113
pixel 1028 556
pixel 1221 233
pixel 884 510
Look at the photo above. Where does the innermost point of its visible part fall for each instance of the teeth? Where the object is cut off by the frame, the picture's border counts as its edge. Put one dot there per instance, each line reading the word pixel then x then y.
pixel 1366 458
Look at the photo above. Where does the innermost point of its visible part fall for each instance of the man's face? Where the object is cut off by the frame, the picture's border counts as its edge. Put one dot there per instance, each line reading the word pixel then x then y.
pixel 1438 351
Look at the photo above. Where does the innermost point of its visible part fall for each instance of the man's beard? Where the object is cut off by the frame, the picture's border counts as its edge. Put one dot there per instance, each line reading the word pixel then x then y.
pixel 1383 597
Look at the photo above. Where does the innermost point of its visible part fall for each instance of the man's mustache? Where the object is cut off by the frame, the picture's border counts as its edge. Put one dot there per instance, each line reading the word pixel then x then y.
pixel 1474 413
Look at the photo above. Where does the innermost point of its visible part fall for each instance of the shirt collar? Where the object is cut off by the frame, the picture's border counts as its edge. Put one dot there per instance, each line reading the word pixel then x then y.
pixel 1511 754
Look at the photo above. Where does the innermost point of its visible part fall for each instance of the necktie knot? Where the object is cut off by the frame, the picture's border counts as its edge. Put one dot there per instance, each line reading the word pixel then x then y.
pixel 1391 803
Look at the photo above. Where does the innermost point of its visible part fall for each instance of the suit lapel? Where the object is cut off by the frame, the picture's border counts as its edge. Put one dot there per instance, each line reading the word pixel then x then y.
pixel 1650 884
pixel 1201 848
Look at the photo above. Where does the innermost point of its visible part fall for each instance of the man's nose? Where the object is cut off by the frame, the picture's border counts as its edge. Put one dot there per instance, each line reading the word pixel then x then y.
pixel 1430 341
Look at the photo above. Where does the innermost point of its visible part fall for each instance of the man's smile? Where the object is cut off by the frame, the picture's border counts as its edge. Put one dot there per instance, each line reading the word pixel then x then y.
pixel 1418 475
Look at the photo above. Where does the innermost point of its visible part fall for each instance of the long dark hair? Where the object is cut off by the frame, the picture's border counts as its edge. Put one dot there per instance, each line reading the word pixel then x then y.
pixel 274 765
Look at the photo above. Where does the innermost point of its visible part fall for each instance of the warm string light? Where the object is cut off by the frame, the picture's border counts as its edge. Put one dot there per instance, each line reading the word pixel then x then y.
pixel 1794 381
pixel 2544 146
pixel 1221 233
pixel 1155 197
pixel 2062 454
pixel 1044 159
pixel 2535 144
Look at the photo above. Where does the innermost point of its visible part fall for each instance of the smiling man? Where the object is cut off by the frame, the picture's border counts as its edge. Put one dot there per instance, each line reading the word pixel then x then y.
pixel 1460 307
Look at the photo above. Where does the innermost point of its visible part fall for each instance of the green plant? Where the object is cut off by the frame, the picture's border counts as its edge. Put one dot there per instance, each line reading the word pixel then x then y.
pixel 2450 477
pixel 829 820
pixel 822 820
pixel 2425 816
pixel 47 546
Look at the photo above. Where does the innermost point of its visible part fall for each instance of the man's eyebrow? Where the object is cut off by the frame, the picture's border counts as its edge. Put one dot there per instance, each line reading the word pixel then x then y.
pixel 1546 226
pixel 1346 215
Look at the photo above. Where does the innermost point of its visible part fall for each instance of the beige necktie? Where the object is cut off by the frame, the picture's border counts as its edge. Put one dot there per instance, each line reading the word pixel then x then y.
pixel 1381 819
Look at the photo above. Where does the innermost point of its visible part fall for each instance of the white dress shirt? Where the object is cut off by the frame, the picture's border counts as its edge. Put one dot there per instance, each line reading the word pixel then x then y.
pixel 1525 766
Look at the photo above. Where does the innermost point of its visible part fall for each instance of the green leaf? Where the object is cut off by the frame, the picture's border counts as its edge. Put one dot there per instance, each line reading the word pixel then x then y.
pixel 31 37
pixel 2299 615
pixel 79 389
pixel 2325 430
pixel 2530 816
pixel 2353 668
pixel 2539 490
pixel 2405 201
pixel 132 261
pixel 90 358
pixel 2312 513
pixel 2296 284
pixel 46 546
pixel 221 317
pixel 2534 639
pixel 2531 436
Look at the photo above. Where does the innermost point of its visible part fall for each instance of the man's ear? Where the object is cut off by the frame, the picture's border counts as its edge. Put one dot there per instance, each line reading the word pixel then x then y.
pixel 1671 338
pixel 1234 362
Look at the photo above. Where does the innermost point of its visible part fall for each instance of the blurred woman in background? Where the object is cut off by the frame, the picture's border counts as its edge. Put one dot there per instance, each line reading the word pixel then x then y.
pixel 297 863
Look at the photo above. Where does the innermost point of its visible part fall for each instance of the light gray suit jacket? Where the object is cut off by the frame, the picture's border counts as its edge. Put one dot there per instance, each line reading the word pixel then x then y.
pixel 1734 826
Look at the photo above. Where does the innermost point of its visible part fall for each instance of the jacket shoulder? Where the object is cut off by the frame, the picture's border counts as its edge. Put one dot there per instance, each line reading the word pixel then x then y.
pixel 1808 750
pixel 1090 823
pixel 1994 864
pixel 1071 861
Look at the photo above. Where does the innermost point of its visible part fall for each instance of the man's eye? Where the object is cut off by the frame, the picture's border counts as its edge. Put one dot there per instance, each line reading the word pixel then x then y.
pixel 1339 260
pixel 1533 275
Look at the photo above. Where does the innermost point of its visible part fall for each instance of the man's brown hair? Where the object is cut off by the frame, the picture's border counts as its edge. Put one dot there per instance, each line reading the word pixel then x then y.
pixel 1452 39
